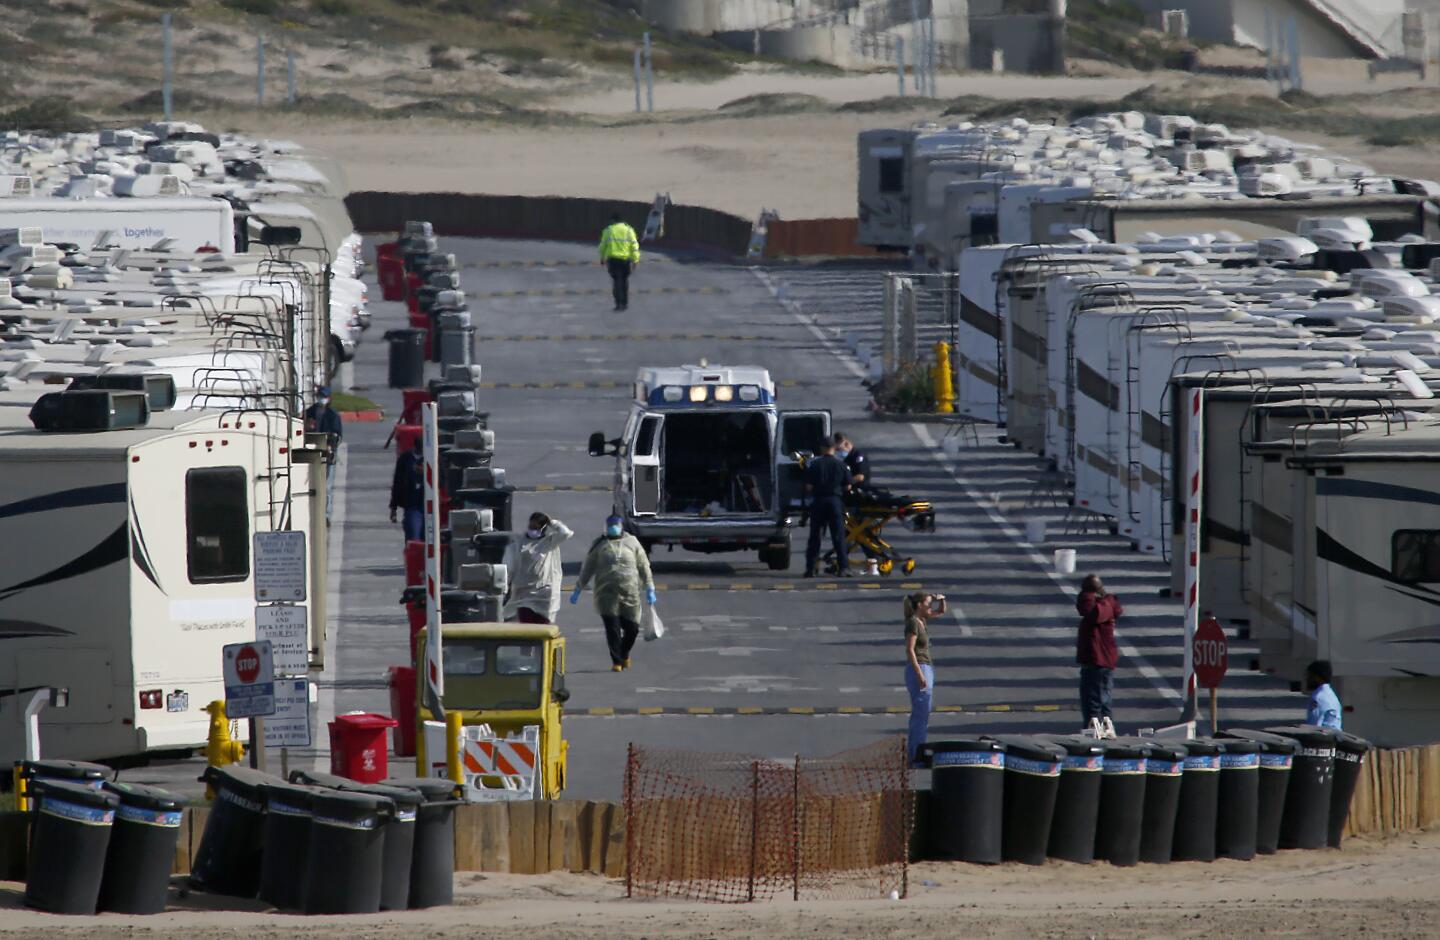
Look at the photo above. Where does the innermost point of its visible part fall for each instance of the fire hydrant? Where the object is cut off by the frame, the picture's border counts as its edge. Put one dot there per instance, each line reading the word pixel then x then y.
pixel 220 747
pixel 941 382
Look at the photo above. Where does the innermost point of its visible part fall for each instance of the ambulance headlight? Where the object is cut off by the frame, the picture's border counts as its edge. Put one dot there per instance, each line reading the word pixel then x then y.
pixel 672 393
pixel 724 392
pixel 749 393
pixel 698 393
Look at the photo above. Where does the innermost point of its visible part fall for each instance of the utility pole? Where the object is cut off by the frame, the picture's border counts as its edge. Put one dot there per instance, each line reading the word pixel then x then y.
pixel 638 55
pixel 649 77
pixel 917 39
pixel 900 63
pixel 930 28
pixel 260 71
pixel 167 60
pixel 1295 81
pixel 290 78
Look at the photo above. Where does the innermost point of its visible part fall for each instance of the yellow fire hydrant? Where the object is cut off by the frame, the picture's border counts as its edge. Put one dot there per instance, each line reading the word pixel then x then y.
pixel 941 381
pixel 220 747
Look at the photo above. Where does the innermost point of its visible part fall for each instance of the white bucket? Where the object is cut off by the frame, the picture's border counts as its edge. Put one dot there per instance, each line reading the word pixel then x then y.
pixel 862 352
pixel 877 369
pixel 950 446
pixel 1035 531
pixel 852 341
pixel 1064 561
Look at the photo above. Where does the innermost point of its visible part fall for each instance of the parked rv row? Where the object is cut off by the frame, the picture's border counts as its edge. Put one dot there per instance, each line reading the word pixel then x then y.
pixel 935 190
pixel 160 343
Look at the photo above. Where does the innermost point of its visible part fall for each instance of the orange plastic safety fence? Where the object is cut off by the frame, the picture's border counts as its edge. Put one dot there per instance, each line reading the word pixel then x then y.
pixel 734 828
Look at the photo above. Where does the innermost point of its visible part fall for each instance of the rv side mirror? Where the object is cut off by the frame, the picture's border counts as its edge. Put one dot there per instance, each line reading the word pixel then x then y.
pixel 597 444
pixel 560 694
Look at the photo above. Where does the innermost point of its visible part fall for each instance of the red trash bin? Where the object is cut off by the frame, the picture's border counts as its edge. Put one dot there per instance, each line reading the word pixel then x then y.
pixel 390 269
pixel 357 746
pixel 401 680
pixel 414 563
pixel 413 282
pixel 413 398
pixel 414 601
pixel 406 437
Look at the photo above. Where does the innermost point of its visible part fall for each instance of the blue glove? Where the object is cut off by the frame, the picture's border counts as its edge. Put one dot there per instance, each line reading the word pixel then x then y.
pixel 650 596
pixel 575 596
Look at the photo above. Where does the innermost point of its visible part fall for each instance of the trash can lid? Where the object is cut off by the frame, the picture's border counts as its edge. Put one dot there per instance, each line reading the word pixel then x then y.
pixel 1033 748
pixel 1162 749
pixel 1307 735
pixel 404 334
pixel 964 744
pixel 1269 743
pixel 294 795
pixel 1076 744
pixel 145 797
pixel 407 796
pixel 347 804
pixel 67 770
pixel 1203 747
pixel 433 789
pixel 61 791
pixel 1128 748
pixel 366 720
pixel 1352 743
pixel 240 780
pixel 1238 746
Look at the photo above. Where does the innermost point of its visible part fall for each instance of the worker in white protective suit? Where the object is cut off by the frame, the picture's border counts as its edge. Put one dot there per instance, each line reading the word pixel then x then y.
pixel 618 565
pixel 535 571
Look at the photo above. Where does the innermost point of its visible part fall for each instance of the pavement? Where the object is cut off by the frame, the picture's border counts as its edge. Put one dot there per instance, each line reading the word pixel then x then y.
pixel 756 661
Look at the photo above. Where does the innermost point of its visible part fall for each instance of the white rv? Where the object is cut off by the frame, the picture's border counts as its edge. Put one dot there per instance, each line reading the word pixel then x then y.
pixel 187 224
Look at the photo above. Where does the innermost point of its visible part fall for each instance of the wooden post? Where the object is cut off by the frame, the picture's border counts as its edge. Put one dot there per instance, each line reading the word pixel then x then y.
pixel 795 825
pixel 754 825
pixel 630 820
pixel 1214 712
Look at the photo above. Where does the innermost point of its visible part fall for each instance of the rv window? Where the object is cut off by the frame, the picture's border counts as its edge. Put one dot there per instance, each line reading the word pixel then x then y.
pixel 892 175
pixel 645 438
pixel 1415 556
pixel 217 525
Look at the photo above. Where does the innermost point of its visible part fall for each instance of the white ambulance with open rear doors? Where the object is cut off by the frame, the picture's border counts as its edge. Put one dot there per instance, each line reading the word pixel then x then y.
pixel 707 462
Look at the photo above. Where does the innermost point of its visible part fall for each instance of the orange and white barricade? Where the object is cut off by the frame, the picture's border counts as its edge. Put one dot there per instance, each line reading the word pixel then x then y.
pixel 500 768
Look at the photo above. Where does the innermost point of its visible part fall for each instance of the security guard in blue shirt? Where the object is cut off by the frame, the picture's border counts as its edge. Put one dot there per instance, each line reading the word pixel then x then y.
pixel 826 480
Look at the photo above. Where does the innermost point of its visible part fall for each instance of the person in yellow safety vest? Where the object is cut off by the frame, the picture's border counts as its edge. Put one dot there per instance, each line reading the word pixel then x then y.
pixel 619 252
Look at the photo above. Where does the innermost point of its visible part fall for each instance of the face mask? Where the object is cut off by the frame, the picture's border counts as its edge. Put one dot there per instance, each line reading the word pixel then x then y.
pixel 613 532
pixel 324 401
pixel 533 533
pixel 841 452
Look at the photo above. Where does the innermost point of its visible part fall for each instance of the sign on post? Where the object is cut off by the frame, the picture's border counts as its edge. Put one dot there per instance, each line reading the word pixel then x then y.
pixel 280 566
pixel 288 630
pixel 249 672
pixel 290 725
pixel 1211 654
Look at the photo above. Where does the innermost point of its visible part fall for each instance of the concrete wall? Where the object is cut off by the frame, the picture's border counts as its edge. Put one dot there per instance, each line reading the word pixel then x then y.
pixel 1243 22
pixel 1029 33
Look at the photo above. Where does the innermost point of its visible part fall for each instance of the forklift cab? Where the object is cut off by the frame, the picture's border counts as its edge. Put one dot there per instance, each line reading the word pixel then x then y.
pixel 507 676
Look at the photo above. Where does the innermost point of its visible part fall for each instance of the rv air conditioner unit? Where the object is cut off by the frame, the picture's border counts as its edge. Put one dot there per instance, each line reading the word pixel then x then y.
pixel 149 185
pixel 418 230
pixel 275 235
pixel 481 440
pixel 484 478
pixel 487 579
pixel 16 186
pixel 90 410
pixel 29 235
pixel 1291 249
pixel 159 389
pixel 465 524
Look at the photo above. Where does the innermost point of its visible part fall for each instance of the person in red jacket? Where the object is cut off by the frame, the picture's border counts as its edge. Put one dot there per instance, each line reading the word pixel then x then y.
pixel 1096 653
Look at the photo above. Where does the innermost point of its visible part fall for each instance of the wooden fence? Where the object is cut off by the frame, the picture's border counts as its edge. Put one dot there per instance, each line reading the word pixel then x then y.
pixel 1398 791
pixel 547 217
pixel 827 238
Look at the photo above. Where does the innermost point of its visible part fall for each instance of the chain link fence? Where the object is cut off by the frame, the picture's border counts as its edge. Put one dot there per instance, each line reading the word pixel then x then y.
pixel 736 828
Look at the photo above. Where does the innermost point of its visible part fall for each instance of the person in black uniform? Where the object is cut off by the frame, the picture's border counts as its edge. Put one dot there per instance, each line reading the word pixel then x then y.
pixel 826 480
pixel 855 460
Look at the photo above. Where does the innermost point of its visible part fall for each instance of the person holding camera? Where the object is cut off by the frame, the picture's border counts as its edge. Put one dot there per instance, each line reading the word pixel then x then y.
pixel 1097 653
pixel 919 670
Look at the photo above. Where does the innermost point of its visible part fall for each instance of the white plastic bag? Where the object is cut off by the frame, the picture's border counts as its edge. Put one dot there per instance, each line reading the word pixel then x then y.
pixel 654 627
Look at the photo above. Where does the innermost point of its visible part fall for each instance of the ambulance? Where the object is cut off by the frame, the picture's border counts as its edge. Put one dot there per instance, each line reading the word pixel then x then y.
pixel 707 462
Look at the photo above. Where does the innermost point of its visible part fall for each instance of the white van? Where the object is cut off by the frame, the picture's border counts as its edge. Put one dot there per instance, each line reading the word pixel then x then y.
pixel 707 462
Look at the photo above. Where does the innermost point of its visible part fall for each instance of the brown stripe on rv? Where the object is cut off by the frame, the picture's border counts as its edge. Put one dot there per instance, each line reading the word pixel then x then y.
pixel 1026 343
pixel 1153 431
pixel 1271 528
pixel 1094 385
pixel 978 317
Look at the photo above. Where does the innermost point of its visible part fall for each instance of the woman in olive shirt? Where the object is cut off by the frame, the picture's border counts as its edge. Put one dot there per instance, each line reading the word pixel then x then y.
pixel 919 672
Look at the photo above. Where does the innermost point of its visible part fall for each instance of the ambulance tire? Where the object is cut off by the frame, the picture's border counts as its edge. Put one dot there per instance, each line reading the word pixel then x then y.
pixel 777 555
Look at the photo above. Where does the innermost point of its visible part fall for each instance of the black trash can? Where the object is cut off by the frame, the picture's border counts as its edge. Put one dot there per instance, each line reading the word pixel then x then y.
pixel 1032 782
pixel 1237 810
pixel 399 831
pixel 289 808
pixel 432 871
pixel 1199 802
pixel 142 849
pixel 1164 774
pixel 967 789
pixel 1276 755
pixel 407 358
pixel 1305 823
pixel 1122 801
pixel 69 836
pixel 346 862
pixel 1077 801
pixel 228 859
pixel 1350 754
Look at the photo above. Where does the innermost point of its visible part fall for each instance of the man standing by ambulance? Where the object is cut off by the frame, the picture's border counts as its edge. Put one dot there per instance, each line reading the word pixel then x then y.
pixel 619 252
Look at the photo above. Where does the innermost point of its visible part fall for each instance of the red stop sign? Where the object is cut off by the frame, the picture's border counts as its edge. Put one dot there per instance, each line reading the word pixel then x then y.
pixel 247 664
pixel 1212 654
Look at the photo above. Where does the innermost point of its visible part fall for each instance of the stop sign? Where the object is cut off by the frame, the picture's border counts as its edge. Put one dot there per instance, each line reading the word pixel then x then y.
pixel 247 664
pixel 1211 653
